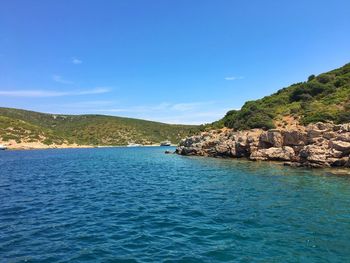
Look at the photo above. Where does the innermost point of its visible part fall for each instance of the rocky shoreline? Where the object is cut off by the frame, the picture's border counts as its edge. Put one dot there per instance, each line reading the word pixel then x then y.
pixel 316 145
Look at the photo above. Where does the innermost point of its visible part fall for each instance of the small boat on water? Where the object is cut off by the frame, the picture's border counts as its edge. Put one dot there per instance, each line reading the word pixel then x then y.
pixel 165 143
pixel 3 147
pixel 134 145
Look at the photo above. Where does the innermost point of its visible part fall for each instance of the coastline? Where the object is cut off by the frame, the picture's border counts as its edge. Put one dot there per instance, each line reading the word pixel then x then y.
pixel 44 147
pixel 13 146
pixel 320 145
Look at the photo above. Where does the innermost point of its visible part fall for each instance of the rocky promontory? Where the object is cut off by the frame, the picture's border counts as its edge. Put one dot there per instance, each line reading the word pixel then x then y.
pixel 316 145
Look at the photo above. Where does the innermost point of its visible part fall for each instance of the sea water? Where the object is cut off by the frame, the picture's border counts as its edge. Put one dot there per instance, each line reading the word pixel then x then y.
pixel 141 205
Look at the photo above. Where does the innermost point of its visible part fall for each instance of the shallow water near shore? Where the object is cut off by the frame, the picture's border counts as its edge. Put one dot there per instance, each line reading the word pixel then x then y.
pixel 141 205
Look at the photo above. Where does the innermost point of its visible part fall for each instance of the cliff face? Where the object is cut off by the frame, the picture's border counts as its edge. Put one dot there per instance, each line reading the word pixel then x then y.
pixel 316 145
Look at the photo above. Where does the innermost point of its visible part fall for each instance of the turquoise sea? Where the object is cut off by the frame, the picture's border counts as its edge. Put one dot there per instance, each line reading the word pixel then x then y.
pixel 141 205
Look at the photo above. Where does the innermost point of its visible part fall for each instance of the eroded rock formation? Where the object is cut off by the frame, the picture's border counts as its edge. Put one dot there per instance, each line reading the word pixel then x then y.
pixel 316 145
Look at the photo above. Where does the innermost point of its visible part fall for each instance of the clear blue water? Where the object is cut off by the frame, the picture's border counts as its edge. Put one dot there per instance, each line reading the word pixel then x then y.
pixel 140 205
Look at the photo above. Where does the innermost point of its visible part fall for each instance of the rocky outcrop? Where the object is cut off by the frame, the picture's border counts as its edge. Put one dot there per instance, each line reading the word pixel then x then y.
pixel 284 153
pixel 316 145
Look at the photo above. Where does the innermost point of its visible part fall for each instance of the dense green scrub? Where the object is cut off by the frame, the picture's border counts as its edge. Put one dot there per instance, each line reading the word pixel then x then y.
pixel 86 129
pixel 18 130
pixel 325 97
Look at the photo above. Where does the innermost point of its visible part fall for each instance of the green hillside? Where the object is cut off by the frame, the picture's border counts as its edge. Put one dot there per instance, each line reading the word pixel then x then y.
pixel 29 126
pixel 325 97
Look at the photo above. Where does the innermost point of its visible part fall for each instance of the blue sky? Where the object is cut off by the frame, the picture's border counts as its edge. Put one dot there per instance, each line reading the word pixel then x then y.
pixel 165 60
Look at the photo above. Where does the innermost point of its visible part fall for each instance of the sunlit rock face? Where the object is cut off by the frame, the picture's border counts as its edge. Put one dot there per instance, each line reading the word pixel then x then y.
pixel 316 145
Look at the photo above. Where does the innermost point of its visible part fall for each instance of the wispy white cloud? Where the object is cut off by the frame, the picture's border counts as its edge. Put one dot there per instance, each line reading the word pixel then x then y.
pixel 98 90
pixel 185 113
pixel 233 78
pixel 46 93
pixel 76 61
pixel 161 107
pixel 199 116
pixel 166 112
pixel 195 117
pixel 59 79
pixel 30 93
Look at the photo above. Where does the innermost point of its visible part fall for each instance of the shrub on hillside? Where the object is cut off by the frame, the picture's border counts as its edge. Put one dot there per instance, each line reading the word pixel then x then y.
pixel 311 77
pixel 324 78
pixel 250 116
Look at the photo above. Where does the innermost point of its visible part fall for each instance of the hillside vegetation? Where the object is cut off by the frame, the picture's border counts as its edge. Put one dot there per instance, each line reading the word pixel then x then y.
pixel 29 126
pixel 325 97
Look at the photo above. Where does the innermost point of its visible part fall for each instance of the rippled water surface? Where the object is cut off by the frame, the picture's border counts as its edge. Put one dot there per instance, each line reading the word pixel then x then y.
pixel 140 205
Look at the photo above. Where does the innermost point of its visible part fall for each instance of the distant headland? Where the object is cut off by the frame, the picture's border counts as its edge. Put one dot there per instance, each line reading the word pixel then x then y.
pixel 22 129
